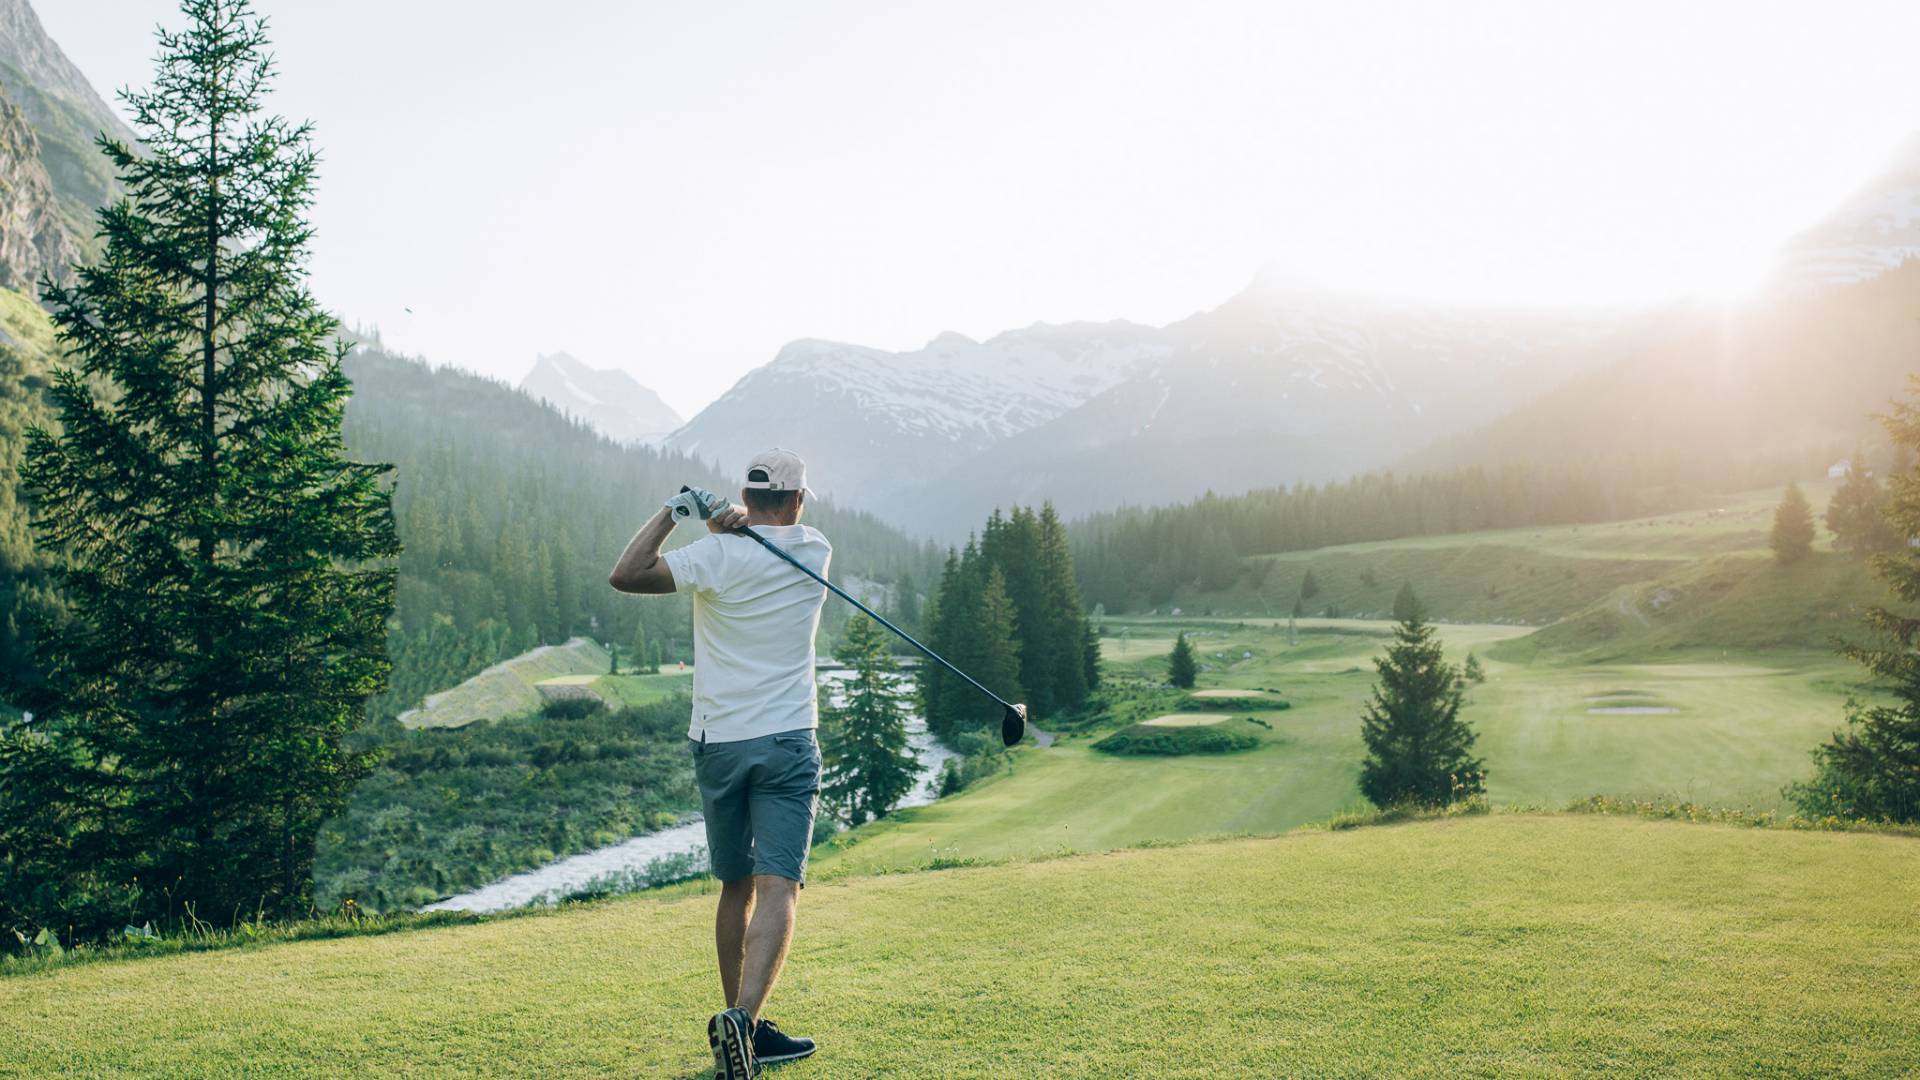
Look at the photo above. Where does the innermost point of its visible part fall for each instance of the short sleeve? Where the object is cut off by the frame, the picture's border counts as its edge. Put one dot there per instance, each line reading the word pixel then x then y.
pixel 696 567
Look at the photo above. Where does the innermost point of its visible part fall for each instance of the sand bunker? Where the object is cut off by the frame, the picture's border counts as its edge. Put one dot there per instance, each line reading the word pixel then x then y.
pixel 1234 695
pixel 1185 720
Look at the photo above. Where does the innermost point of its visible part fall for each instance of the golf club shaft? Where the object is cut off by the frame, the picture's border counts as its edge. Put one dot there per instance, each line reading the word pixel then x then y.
pixel 747 530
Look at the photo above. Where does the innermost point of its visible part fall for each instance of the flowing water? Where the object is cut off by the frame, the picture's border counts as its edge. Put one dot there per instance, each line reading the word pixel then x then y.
pixel 671 852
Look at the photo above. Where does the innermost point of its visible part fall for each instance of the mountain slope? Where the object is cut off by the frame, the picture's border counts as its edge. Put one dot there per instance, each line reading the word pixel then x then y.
pixel 873 424
pixel 612 401
pixel 1874 231
pixel 35 236
pixel 64 109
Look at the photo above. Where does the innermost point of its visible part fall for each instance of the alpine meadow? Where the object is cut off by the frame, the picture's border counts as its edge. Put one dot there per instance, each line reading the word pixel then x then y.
pixel 1104 540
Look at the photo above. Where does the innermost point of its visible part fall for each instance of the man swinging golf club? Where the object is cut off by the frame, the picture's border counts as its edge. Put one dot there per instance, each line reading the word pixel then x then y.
pixel 752 736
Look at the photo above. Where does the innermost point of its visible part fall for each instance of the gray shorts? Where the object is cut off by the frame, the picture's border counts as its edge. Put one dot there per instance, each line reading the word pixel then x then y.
pixel 758 796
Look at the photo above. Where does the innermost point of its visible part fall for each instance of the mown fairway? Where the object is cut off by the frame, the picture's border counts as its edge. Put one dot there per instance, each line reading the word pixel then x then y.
pixel 1490 946
pixel 1738 730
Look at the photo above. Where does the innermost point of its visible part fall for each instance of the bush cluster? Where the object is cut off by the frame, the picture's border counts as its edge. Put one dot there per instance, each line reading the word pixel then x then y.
pixel 1147 740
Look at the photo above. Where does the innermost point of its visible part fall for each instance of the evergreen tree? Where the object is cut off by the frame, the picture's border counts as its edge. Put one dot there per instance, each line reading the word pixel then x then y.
pixel 1181 668
pixel 1011 543
pixel 995 660
pixel 867 767
pixel 1856 515
pixel 1090 657
pixel 906 604
pixel 1418 748
pixel 1405 603
pixel 1472 671
pixel 613 658
pixel 1871 768
pixel 1792 535
pixel 226 565
pixel 1309 587
pixel 640 652
pixel 1063 618
pixel 950 620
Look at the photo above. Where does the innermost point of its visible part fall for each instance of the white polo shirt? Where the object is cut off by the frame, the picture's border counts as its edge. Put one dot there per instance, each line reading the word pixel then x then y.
pixel 753 623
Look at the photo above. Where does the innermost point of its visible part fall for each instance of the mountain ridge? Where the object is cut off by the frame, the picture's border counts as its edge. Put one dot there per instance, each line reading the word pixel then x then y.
pixel 609 399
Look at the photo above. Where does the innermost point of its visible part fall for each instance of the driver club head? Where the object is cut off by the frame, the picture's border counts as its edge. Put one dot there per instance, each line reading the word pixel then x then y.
pixel 1013 725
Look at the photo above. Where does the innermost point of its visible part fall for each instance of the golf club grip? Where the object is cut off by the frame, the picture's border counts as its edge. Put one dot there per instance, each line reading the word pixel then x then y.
pixel 871 614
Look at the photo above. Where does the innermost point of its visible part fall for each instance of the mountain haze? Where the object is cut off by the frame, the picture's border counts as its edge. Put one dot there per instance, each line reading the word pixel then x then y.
pixel 1274 387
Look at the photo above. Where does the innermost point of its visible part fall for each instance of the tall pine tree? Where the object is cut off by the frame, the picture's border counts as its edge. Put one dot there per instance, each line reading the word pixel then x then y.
pixel 1419 751
pixel 228 569
pixel 867 767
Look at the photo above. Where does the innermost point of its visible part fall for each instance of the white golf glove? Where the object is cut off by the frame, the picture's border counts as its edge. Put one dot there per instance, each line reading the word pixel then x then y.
pixel 696 503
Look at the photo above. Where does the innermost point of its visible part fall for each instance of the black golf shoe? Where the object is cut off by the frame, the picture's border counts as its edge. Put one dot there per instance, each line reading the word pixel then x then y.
pixel 730 1035
pixel 772 1046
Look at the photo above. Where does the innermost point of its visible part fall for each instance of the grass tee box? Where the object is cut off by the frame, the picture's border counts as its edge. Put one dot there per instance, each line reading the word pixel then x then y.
pixel 1509 946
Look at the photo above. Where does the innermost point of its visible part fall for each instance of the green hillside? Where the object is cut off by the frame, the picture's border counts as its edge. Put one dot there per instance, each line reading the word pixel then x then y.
pixel 508 688
pixel 1490 946
pixel 1533 575
pixel 1731 602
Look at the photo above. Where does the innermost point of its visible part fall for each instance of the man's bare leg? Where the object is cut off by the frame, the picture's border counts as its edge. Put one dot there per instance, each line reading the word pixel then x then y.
pixel 768 934
pixel 730 933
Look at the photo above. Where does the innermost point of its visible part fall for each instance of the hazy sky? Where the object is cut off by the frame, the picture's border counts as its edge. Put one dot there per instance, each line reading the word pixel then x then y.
pixel 680 189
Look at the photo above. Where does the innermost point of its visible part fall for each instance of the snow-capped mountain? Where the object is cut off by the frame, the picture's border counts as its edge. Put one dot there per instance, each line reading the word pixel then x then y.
pixel 1872 232
pixel 1274 387
pixel 611 400
pixel 873 424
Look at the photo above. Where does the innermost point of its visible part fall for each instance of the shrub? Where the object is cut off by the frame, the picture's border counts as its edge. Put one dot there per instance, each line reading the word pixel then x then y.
pixel 573 708
pixel 1148 740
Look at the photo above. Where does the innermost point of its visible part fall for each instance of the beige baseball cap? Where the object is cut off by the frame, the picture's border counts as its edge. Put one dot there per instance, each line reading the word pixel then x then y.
pixel 778 470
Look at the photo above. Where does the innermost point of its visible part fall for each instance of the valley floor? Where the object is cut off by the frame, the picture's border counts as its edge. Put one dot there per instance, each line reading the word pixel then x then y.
pixel 1502 945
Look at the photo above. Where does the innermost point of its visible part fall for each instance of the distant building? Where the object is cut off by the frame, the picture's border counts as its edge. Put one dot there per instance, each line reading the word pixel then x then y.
pixel 1840 470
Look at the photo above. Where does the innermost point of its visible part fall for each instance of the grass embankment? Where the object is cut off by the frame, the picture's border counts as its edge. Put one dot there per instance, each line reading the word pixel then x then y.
pixel 1505 945
pixel 508 688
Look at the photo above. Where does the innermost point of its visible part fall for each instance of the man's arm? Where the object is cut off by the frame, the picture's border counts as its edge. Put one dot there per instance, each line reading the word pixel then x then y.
pixel 642 570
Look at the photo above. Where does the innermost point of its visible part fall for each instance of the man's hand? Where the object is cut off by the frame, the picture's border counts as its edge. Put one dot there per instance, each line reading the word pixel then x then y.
pixel 695 503
pixel 720 515
pixel 727 518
